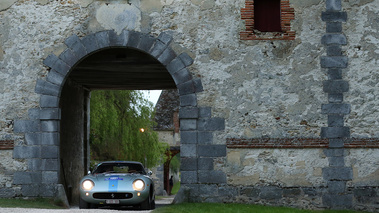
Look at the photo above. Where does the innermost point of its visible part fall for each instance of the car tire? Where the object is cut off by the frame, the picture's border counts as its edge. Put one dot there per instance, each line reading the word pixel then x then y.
pixel 152 204
pixel 83 204
pixel 146 205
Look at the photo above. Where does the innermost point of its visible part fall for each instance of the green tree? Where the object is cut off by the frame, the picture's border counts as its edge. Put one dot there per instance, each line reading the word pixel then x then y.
pixel 117 117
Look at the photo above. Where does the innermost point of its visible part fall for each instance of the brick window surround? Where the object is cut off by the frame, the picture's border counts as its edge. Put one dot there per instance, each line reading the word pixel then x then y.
pixel 286 15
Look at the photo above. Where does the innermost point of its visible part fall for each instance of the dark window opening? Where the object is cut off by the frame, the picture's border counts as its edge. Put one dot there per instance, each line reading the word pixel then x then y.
pixel 267 15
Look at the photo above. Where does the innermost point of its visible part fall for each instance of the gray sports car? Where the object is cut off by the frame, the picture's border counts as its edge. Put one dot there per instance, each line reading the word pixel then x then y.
pixel 121 183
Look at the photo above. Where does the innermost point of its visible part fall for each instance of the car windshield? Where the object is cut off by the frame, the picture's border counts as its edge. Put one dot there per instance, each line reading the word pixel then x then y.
pixel 120 168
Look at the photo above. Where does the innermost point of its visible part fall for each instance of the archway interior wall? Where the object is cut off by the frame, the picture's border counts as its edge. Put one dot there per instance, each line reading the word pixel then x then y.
pixel 196 123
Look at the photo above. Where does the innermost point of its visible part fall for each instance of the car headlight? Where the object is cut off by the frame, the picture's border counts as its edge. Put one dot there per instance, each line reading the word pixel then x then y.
pixel 88 185
pixel 138 185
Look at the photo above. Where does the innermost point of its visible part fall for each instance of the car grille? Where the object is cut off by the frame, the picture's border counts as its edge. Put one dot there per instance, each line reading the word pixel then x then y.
pixel 111 195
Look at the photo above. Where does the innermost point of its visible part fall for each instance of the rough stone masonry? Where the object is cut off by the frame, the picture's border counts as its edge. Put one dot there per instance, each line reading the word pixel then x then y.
pixel 278 118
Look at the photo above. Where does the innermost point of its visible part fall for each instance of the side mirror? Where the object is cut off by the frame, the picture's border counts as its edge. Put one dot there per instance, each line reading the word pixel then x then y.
pixel 150 173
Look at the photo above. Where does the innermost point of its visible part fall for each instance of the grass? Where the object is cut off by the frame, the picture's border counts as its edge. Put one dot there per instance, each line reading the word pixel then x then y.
pixel 38 203
pixel 235 208
pixel 175 188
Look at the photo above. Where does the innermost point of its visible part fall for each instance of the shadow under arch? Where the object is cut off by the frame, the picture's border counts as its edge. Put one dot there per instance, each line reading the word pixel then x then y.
pixel 78 50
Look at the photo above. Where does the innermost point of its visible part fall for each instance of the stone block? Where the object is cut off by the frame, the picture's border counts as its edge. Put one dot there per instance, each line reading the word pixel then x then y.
pixel 186 88
pixel 211 124
pixel 186 59
pixel 118 40
pixel 335 132
pixel 181 76
pixel 336 143
pixel 291 192
pixel 50 138
pixel 334 74
pixel 365 195
pixel 205 138
pixel 55 78
pixel 47 88
pixel 48 190
pixel 188 150
pixel 343 201
pixel 335 86
pixel 271 193
pixel 49 152
pixel 90 43
pixel 165 38
pixel 336 187
pixel 335 108
pixel 27 178
pixel 188 137
pixel 7 193
pixel 49 126
pixel 333 5
pixel 167 56
pixel 337 173
pixel 49 177
pixel 198 85
pixel 212 150
pixel 333 38
pixel 50 114
pixel 188 100
pixel 30 190
pixel 175 65
pixel 334 16
pixel 209 177
pixel 336 161
pixel 74 43
pixel 49 101
pixel 205 163
pixel 49 165
pixel 188 124
pixel 188 164
pixel 134 39
pixel 335 120
pixel 209 190
pixel 335 98
pixel 34 164
pixel 334 50
pixel 157 49
pixel 146 42
pixel 334 61
pixel 102 39
pixel 335 152
pixel 33 138
pixel 69 57
pixel 188 177
pixel 333 27
pixel 26 152
pixel 50 60
pixel 189 112
pixel 24 126
pixel 205 112
pixel 250 192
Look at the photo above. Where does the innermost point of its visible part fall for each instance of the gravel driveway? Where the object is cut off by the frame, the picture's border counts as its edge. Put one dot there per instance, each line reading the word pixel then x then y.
pixel 159 203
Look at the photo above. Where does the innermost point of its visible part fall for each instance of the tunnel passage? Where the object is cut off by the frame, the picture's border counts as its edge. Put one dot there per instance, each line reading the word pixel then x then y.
pixel 115 68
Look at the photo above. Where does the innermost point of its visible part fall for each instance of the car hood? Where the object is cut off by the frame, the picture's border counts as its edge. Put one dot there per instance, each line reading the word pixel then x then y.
pixel 114 176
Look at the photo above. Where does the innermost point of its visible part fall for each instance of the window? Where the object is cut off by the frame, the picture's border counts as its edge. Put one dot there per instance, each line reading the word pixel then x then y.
pixel 267 15
pixel 267 20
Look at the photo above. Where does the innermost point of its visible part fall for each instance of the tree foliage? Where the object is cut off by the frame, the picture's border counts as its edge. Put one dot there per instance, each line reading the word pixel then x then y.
pixel 117 117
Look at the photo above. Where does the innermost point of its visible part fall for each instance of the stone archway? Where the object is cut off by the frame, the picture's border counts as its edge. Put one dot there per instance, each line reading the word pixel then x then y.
pixel 42 131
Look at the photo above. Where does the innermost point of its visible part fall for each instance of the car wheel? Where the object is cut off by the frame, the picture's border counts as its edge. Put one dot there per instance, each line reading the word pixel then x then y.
pixel 146 205
pixel 83 204
pixel 153 204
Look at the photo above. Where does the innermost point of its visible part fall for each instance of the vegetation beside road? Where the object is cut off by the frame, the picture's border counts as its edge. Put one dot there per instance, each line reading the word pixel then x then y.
pixel 37 203
pixel 234 208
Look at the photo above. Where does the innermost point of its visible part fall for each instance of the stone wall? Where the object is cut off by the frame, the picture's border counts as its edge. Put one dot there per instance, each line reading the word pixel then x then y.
pixel 243 90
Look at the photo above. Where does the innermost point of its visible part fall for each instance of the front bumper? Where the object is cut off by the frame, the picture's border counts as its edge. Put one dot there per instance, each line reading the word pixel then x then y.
pixel 110 198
